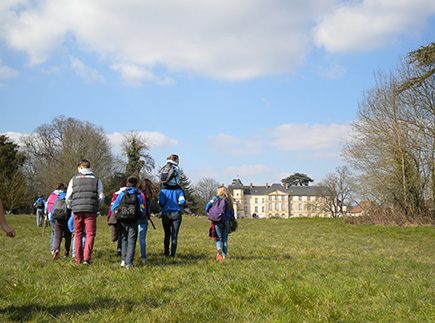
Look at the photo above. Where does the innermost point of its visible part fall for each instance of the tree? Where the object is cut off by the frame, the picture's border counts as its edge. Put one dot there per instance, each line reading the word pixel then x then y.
pixel 138 161
pixel 12 183
pixel 53 151
pixel 186 186
pixel 392 144
pixel 205 189
pixel 297 179
pixel 336 190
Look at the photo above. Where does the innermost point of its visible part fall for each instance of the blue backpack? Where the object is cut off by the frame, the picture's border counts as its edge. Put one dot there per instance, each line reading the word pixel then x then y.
pixel 217 211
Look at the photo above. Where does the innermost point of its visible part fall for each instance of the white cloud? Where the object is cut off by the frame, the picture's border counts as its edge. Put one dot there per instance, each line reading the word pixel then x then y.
pixel 369 24
pixel 235 146
pixel 89 74
pixel 6 72
pixel 223 40
pixel 304 137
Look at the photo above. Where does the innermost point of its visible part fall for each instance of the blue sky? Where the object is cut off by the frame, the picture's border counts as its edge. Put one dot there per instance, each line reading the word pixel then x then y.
pixel 255 89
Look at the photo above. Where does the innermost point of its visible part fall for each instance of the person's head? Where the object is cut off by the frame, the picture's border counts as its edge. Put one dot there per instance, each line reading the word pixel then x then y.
pixel 132 181
pixel 174 158
pixel 84 164
pixel 223 192
pixel 149 189
pixel 60 187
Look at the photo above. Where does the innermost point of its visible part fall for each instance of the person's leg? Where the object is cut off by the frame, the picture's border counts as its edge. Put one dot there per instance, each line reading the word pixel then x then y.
pixel 219 232
pixel 226 229
pixel 123 231
pixel 143 228
pixel 39 217
pixel 52 237
pixel 91 229
pixel 78 231
pixel 57 238
pixel 167 228
pixel 67 235
pixel 131 244
pixel 175 228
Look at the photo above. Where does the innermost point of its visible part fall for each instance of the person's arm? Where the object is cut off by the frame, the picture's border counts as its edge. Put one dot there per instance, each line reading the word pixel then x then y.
pixel 100 193
pixel 69 191
pixel 116 202
pixel 6 228
pixel 181 198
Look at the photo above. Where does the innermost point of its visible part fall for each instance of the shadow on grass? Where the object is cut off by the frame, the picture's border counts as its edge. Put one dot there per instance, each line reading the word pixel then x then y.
pixel 58 312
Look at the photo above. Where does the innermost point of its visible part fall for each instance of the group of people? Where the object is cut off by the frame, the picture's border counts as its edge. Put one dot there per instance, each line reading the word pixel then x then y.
pixel 129 214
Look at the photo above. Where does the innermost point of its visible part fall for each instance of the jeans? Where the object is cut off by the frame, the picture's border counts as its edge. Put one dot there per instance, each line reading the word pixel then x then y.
pixel 82 219
pixel 52 236
pixel 39 217
pixel 73 252
pixel 128 241
pixel 171 221
pixel 143 228
pixel 222 229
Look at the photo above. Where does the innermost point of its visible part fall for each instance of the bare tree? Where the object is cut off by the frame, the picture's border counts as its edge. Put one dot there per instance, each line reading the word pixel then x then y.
pixel 53 151
pixel 205 189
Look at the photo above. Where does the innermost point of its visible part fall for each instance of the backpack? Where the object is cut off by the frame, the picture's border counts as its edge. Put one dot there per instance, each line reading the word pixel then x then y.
pixel 167 173
pixel 59 210
pixel 39 204
pixel 128 208
pixel 217 211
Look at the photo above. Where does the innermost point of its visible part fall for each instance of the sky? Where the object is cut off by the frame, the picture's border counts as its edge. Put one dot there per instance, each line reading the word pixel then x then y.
pixel 255 90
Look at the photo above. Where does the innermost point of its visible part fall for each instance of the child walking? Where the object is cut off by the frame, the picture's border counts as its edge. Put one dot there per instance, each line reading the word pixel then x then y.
pixel 129 207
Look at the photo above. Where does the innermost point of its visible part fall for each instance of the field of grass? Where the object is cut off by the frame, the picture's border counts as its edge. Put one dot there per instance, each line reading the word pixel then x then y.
pixel 296 270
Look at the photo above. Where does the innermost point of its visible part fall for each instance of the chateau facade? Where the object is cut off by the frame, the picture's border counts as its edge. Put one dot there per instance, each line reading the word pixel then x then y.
pixel 277 200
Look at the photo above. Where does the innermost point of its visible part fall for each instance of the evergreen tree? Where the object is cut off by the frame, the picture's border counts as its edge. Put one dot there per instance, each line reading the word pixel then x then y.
pixel 186 185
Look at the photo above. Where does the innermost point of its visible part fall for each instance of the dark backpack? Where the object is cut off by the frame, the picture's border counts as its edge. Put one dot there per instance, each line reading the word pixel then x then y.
pixel 128 208
pixel 217 211
pixel 59 210
pixel 39 204
pixel 167 173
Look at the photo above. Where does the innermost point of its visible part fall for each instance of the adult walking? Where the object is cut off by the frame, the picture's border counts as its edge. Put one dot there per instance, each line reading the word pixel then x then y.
pixel 40 206
pixel 171 198
pixel 84 195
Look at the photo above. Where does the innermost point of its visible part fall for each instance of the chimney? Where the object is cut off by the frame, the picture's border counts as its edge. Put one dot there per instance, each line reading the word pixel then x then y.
pixel 267 185
pixel 250 185
pixel 286 186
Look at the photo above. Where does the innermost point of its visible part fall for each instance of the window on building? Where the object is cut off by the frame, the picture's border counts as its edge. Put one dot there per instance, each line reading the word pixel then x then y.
pixel 256 209
pixel 300 207
pixel 256 200
pixel 291 198
pixel 308 207
pixel 276 198
pixel 276 206
pixel 300 198
pixel 283 198
pixel 262 209
pixel 262 200
pixel 292 206
pixel 245 200
pixel 282 206
pixel 270 197
pixel 246 209
pixel 308 198
pixel 270 207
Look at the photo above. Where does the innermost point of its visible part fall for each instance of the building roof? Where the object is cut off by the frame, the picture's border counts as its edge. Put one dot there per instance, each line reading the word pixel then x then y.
pixel 361 207
pixel 276 187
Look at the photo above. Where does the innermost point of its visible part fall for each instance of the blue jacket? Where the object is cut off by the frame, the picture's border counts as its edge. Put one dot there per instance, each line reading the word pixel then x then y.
pixel 171 199
pixel 228 214
pixel 43 201
pixel 131 190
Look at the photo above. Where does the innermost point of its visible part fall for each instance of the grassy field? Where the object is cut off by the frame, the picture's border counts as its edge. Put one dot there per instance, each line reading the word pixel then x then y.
pixel 297 270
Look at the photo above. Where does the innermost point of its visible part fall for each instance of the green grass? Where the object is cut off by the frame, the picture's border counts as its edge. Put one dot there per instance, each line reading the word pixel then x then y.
pixel 296 270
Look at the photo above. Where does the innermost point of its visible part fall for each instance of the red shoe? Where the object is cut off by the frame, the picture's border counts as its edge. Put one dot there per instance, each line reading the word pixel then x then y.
pixel 219 257
pixel 56 255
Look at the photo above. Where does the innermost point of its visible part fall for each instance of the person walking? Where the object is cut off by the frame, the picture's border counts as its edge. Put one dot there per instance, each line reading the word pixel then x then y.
pixel 128 208
pixel 40 206
pixel 84 195
pixel 149 190
pixel 111 218
pixel 60 188
pixel 222 227
pixel 61 215
pixel 171 198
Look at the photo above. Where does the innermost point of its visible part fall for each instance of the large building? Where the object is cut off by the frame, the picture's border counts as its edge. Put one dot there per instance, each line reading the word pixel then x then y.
pixel 277 200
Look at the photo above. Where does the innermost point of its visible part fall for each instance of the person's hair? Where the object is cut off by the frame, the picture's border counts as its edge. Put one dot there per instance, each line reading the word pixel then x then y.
pixel 123 183
pixel 84 163
pixel 60 187
pixel 132 181
pixel 41 196
pixel 223 192
pixel 148 188
pixel 173 157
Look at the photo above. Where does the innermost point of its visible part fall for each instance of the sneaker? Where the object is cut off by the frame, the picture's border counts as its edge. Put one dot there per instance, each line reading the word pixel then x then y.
pixel 87 262
pixel 128 266
pixel 219 257
pixel 56 255
pixel 123 263
pixel 144 260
